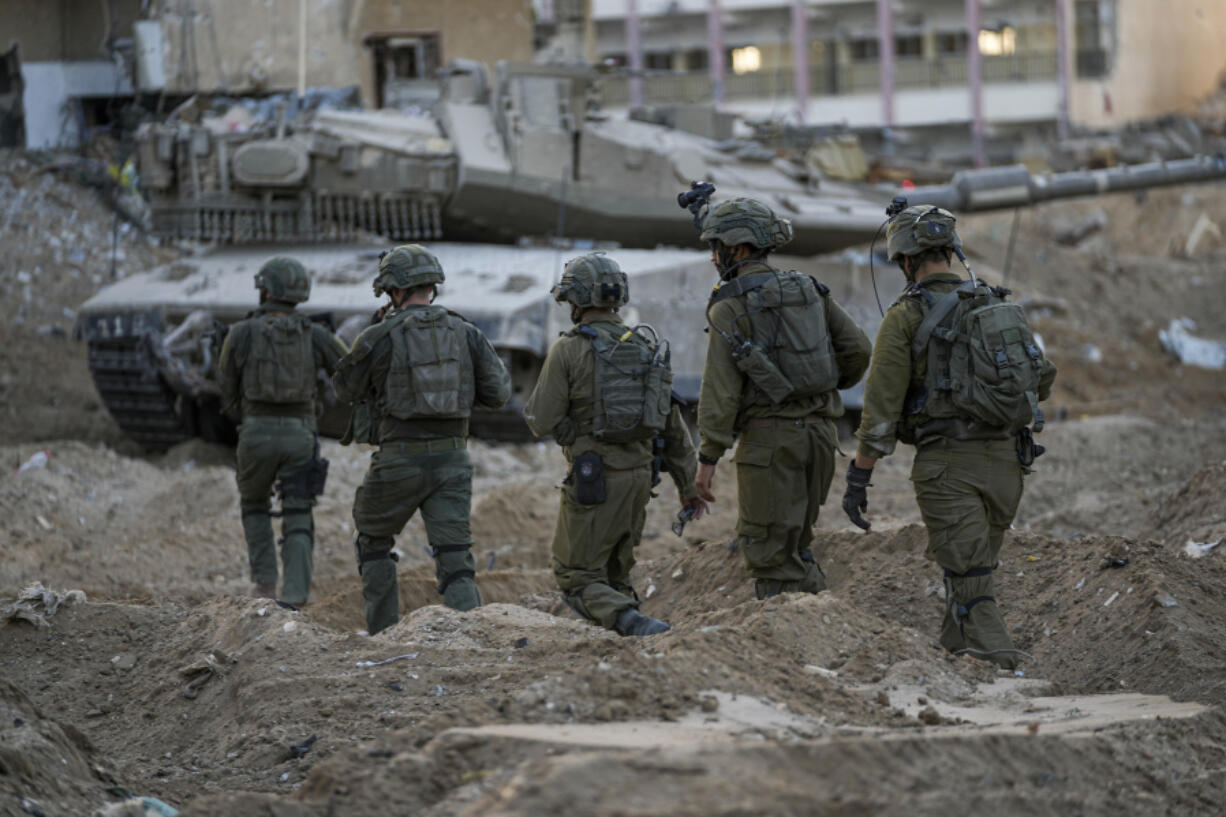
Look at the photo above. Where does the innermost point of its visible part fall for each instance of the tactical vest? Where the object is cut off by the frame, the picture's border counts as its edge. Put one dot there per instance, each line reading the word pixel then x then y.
pixel 791 354
pixel 280 365
pixel 431 372
pixel 632 386
pixel 983 362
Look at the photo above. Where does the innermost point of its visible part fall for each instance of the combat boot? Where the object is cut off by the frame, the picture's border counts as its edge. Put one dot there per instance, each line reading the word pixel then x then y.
pixel 264 590
pixel 631 622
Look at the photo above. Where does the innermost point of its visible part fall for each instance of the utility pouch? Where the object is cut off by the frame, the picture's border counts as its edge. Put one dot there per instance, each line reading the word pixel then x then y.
pixel 361 428
pixel 307 483
pixel 753 361
pixel 588 476
pixel 1027 449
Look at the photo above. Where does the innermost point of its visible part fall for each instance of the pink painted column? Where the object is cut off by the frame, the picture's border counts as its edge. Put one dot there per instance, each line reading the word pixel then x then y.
pixel 800 57
pixel 974 78
pixel 634 54
pixel 885 56
pixel 1062 55
pixel 715 51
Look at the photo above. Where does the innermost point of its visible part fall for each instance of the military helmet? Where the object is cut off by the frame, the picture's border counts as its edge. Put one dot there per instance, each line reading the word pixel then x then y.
pixel 919 228
pixel 285 279
pixel 407 266
pixel 593 280
pixel 745 221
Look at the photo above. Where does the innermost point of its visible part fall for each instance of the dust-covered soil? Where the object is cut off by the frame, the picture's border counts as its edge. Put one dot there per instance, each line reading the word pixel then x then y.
pixel 162 678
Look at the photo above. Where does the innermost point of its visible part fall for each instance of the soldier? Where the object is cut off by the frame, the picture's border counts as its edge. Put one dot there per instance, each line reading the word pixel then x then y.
pixel 967 421
pixel 269 364
pixel 605 394
pixel 415 377
pixel 780 348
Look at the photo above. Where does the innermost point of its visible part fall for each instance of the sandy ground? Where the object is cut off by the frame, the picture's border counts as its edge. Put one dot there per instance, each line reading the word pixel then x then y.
pixel 165 680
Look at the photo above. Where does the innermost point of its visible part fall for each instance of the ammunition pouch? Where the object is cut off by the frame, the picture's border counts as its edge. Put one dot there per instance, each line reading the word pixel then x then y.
pixel 587 475
pixel 753 361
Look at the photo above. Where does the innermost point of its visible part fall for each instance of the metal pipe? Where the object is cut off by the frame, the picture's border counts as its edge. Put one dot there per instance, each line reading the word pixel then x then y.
pixel 715 51
pixel 1062 55
pixel 634 54
pixel 302 17
pixel 975 81
pixel 885 55
pixel 800 57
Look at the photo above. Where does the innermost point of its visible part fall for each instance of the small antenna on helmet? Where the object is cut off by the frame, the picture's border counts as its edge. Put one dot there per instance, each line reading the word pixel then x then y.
pixel 896 206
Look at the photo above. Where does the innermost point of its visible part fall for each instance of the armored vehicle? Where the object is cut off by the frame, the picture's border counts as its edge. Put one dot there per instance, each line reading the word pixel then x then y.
pixel 524 156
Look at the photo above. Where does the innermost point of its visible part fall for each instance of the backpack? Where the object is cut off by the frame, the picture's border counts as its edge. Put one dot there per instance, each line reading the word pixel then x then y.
pixel 791 354
pixel 633 383
pixel 280 365
pixel 431 372
pixel 983 362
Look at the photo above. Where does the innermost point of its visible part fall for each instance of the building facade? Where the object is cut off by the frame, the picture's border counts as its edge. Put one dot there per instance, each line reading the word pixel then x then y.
pixel 1123 60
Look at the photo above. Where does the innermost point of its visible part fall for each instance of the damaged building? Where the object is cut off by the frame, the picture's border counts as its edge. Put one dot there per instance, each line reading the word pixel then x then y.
pixel 77 62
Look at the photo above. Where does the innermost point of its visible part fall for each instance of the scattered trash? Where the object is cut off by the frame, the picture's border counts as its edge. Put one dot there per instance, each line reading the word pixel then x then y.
pixel 437 691
pixel 1195 550
pixel 1019 673
pixel 1080 584
pixel 42 522
pixel 36 604
pixel 406 657
pixel 1092 353
pixel 124 661
pixel 135 806
pixel 1178 341
pixel 1165 600
pixel 289 626
pixel 213 665
pixel 1114 596
pixel 1113 562
pixel 299 750
pixel 520 643
pixel 1203 227
pixel 38 460
pixel 678 574
pixel 651 589
pixel 814 669
pixel 395 687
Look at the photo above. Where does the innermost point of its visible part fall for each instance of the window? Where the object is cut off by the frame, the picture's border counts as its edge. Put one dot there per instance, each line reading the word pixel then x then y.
pixel 951 43
pixel 746 60
pixel 404 64
pixel 910 45
pixel 658 61
pixel 997 42
pixel 864 50
pixel 697 59
pixel 1092 35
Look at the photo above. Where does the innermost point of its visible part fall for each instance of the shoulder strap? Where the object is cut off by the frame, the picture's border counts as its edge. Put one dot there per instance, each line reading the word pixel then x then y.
pixel 740 285
pixel 933 316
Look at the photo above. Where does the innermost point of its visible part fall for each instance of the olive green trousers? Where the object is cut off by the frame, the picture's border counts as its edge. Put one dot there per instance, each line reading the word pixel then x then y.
pixel 783 473
pixel 968 493
pixel 272 449
pixel 593 546
pixel 435 477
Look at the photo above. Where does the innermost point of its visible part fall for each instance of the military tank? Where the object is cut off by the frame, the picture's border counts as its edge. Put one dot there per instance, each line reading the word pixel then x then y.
pixel 521 157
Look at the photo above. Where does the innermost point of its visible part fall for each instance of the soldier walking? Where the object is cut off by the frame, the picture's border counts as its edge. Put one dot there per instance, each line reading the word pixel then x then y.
pixel 955 372
pixel 780 348
pixel 269 365
pixel 605 394
pixel 415 377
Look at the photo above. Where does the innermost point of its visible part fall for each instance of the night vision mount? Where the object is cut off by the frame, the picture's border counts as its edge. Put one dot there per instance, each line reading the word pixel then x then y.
pixel 696 198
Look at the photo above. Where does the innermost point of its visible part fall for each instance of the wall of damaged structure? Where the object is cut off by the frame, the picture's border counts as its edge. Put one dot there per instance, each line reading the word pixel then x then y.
pixel 215 46
pixel 1161 58
pixel 56 30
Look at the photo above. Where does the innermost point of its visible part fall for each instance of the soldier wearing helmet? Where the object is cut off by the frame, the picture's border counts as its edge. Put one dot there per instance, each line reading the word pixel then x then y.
pixel 414 378
pixel 780 348
pixel 269 364
pixel 604 393
pixel 968 465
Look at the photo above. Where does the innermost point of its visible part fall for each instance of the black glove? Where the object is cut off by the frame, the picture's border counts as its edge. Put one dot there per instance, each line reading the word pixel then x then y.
pixel 855 499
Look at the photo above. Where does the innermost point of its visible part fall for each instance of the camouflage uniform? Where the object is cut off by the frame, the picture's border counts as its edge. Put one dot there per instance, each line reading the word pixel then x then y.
pixel 272 386
pixel 785 455
pixel 422 461
pixel 593 545
pixel 968 481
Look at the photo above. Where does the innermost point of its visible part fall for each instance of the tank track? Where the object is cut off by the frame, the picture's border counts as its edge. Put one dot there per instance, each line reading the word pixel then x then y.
pixel 135 394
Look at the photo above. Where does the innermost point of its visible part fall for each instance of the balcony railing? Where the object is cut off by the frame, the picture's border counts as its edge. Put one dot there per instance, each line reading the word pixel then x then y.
pixel 853 78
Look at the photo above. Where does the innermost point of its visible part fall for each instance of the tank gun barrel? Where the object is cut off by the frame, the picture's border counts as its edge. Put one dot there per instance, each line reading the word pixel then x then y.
pixel 999 188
